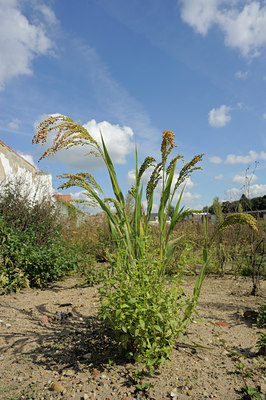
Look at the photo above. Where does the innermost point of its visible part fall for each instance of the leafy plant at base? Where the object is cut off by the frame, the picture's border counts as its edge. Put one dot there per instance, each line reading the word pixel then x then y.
pixel 250 392
pixel 140 384
pixel 145 314
pixel 261 316
pixel 261 342
pixel 261 323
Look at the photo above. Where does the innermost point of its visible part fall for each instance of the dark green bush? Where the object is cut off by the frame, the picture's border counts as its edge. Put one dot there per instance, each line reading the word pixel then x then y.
pixel 33 251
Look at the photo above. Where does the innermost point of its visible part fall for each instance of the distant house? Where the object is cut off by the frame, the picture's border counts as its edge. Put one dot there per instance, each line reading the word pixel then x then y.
pixel 62 203
pixel 198 217
pixel 66 209
pixel 154 219
pixel 13 166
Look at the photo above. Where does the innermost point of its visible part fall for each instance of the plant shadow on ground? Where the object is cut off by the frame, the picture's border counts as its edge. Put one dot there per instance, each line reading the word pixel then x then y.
pixel 76 341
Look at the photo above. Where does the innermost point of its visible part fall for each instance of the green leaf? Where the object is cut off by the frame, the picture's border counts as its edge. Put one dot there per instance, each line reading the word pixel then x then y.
pixel 112 174
pixel 142 323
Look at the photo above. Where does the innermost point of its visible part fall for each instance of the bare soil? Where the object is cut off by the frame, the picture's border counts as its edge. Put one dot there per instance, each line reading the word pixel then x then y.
pixel 53 347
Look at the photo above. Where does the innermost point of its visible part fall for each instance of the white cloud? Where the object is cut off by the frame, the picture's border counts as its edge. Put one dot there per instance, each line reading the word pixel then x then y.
pixel 215 160
pixel 264 115
pixel 244 26
pixel 254 191
pixel 242 178
pixel 233 194
pixel 200 14
pixel 219 177
pixel 20 41
pixel 47 13
pixel 14 124
pixel 219 117
pixel 241 75
pixel 252 156
pixel 28 157
pixel 78 195
pixel 257 190
pixel 187 197
pixel 118 141
pixel 131 176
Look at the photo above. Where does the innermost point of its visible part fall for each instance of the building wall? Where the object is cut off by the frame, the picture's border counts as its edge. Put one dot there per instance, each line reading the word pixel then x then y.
pixel 12 163
pixel 12 166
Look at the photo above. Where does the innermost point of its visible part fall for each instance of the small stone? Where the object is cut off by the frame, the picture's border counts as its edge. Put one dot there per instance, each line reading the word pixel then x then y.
pixel 96 373
pixel 225 353
pixel 195 351
pixel 59 316
pixel 44 320
pixel 174 394
pixel 221 323
pixel 69 373
pixel 2 358
pixel 87 356
pixel 8 325
pixel 57 387
pixel 85 396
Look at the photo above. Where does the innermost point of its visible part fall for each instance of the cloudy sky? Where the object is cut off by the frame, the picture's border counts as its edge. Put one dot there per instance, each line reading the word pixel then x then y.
pixel 133 69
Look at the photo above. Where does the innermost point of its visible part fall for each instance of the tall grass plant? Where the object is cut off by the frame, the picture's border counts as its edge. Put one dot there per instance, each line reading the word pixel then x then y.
pixel 145 314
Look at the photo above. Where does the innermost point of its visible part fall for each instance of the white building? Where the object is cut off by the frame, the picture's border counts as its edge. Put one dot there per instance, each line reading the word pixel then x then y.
pixel 14 167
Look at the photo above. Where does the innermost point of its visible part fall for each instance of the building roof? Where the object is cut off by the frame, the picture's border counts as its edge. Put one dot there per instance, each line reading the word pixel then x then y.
pixel 13 151
pixel 64 197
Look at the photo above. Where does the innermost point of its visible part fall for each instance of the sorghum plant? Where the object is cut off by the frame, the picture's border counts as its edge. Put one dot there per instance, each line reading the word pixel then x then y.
pixel 145 314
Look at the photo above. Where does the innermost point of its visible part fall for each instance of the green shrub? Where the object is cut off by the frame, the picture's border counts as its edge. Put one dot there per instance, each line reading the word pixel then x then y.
pixel 144 313
pixel 18 208
pixel 26 264
pixel 32 249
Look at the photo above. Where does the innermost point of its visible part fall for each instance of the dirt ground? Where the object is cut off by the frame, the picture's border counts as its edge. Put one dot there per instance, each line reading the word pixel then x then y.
pixel 52 347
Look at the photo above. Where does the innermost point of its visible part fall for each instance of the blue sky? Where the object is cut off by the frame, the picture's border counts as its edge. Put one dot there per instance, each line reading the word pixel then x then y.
pixel 133 69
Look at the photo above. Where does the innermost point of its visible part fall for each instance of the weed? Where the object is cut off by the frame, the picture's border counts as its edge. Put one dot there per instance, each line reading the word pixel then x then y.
pixel 261 342
pixel 250 392
pixel 140 384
